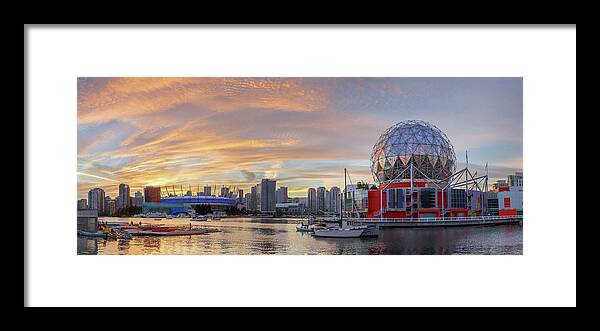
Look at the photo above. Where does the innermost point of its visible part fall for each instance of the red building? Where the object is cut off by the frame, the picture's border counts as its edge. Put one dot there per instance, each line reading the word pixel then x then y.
pixel 426 200
pixel 151 194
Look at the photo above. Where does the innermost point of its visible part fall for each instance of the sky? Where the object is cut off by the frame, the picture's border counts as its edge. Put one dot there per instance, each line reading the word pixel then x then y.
pixel 301 132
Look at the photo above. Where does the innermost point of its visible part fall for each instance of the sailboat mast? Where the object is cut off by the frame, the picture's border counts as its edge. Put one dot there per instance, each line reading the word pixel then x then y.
pixel 343 201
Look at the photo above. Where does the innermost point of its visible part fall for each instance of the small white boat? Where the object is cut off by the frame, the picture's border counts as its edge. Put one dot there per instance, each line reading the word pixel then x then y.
pixel 347 232
pixel 304 228
pixel 200 218
pixel 169 217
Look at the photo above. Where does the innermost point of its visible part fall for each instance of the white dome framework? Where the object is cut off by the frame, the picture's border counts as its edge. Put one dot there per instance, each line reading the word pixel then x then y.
pixel 417 142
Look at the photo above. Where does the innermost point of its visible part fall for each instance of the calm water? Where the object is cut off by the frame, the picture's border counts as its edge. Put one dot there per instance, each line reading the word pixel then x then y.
pixel 245 236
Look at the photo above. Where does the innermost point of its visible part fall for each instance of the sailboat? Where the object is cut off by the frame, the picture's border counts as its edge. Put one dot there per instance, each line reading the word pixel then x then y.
pixel 358 231
pixel 345 230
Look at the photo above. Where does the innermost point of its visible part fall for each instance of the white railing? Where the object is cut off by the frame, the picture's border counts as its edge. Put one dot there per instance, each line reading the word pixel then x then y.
pixel 435 219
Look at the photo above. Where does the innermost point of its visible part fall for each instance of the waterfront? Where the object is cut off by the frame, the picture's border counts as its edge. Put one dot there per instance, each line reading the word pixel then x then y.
pixel 250 236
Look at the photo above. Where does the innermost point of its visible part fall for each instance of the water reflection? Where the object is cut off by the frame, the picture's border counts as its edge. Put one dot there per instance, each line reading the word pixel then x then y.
pixel 87 245
pixel 245 236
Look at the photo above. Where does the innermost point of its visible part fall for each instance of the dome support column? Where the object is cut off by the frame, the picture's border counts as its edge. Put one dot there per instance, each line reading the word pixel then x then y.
pixel 411 190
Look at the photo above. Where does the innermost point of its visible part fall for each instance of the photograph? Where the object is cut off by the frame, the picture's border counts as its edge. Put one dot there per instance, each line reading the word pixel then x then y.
pixel 198 165
pixel 299 165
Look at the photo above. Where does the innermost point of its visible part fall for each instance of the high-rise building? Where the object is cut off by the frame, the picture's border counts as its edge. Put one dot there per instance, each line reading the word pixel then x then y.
pixel 139 199
pixel 151 194
pixel 258 194
pixel 516 179
pixel 327 201
pixel 248 201
pixel 124 196
pixel 335 200
pixel 312 200
pixel 96 199
pixel 253 198
pixel 106 202
pixel 241 196
pixel 282 194
pixel 321 198
pixel 302 203
pixel 224 192
pixel 267 195
pixel 207 191
pixel 82 204
pixel 112 207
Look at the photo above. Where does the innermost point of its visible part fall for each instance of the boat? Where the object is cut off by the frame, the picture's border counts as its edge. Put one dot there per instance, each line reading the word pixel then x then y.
pixel 200 218
pixel 91 234
pixel 359 231
pixel 169 217
pixel 215 218
pixel 122 235
pixel 346 230
pixel 304 228
pixel 165 229
pixel 116 223
pixel 312 227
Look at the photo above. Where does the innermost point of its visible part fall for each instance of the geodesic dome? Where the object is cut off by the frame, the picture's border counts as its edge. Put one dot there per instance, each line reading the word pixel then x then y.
pixel 417 142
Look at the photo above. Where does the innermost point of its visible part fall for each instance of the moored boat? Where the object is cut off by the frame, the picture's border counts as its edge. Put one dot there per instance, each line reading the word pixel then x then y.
pixel 347 232
pixel 91 234
pixel 304 228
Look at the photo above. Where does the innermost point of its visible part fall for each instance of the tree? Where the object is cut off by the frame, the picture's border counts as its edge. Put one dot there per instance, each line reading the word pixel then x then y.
pixel 278 212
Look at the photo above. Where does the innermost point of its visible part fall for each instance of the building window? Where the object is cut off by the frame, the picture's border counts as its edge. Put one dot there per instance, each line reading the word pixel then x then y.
pixel 427 198
pixel 395 198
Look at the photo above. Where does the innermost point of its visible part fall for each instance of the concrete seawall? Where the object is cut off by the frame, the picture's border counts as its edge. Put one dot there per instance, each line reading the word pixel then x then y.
pixel 437 222
pixel 87 220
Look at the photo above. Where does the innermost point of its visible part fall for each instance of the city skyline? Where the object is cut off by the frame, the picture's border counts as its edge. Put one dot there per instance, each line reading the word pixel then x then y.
pixel 301 132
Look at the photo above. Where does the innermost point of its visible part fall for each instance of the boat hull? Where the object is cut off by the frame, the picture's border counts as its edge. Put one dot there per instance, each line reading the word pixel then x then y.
pixel 91 234
pixel 346 233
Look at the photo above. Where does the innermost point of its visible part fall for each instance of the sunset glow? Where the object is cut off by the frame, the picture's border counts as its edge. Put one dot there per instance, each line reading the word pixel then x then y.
pixel 300 131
